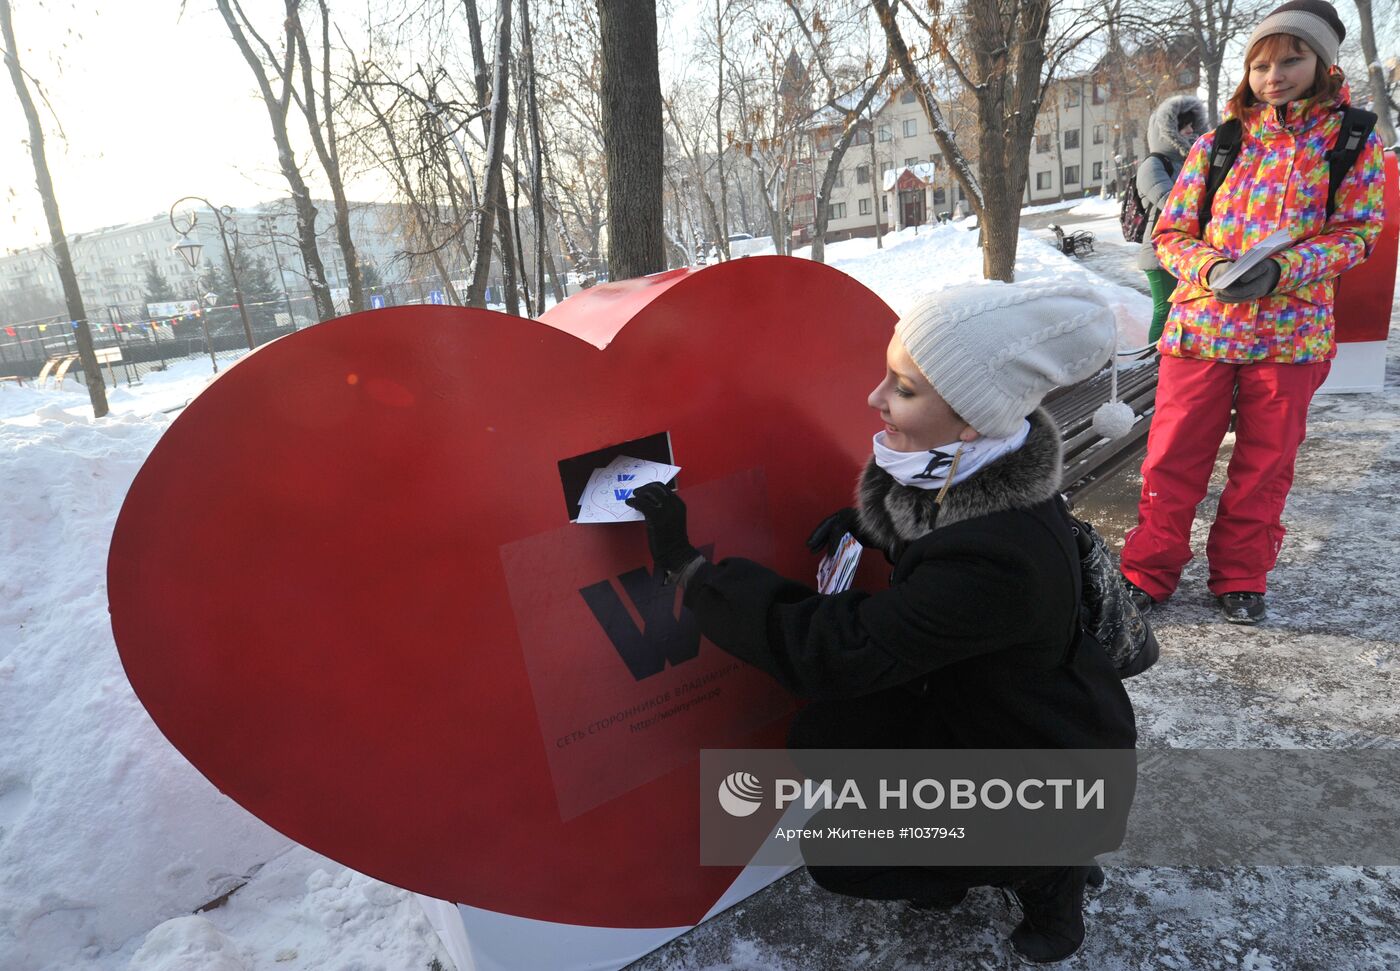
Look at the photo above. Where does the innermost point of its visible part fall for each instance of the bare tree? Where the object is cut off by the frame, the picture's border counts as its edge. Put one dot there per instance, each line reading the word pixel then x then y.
pixel 319 112
pixel 632 136
pixel 1375 73
pixel 848 126
pixel 87 356
pixel 493 193
pixel 277 104
pixel 1215 23
pixel 1003 56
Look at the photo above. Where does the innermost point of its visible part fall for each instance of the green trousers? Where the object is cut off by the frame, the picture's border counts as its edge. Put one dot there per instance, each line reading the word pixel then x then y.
pixel 1162 284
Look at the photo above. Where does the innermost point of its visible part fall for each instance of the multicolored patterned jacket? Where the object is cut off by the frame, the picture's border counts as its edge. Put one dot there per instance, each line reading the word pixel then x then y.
pixel 1278 181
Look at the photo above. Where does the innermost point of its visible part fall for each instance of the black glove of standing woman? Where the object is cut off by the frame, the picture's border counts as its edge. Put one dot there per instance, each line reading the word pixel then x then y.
pixel 666 533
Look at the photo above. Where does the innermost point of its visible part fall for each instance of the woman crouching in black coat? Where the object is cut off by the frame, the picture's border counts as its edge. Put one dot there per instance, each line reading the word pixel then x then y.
pixel 976 643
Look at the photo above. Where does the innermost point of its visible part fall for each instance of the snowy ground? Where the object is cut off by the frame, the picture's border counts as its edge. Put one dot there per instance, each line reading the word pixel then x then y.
pixel 109 840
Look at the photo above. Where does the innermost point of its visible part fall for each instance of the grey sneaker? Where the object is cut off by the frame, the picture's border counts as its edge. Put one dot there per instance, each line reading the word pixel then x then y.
pixel 1242 607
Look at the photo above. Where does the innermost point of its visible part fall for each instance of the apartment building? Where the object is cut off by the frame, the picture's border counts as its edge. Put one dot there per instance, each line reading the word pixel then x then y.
pixel 1090 132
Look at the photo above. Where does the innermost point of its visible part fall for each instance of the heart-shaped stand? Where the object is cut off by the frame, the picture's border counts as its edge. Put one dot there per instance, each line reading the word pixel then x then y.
pixel 346 586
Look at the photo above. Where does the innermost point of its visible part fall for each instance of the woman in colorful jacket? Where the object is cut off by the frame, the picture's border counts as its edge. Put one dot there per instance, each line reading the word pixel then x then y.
pixel 1264 343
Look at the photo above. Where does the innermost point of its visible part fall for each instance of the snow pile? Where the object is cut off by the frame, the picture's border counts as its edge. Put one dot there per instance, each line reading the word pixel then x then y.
pixel 158 391
pixel 923 259
pixel 1096 206
pixel 105 830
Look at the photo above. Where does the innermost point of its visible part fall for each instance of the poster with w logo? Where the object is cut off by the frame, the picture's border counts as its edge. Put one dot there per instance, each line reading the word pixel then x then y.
pixel 625 687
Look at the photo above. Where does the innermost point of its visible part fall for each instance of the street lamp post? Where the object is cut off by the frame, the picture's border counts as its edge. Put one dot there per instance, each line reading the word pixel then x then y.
pixel 277 257
pixel 223 216
pixel 189 249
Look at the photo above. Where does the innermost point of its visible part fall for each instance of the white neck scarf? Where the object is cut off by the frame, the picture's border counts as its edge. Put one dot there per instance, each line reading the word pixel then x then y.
pixel 929 469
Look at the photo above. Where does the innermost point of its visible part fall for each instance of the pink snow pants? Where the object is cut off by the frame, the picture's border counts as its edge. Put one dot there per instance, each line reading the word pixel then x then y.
pixel 1192 415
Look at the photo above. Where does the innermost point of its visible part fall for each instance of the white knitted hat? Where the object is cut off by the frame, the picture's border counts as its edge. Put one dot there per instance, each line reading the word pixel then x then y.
pixel 993 350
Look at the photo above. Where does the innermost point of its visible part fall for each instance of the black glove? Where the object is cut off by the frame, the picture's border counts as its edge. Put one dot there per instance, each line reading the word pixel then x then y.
pixel 830 530
pixel 666 535
pixel 1256 283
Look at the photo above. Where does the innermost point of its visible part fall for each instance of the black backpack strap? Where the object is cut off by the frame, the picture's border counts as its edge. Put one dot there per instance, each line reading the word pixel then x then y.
pixel 1223 153
pixel 1166 162
pixel 1355 129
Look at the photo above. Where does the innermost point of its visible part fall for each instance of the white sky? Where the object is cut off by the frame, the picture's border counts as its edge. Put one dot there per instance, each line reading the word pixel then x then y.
pixel 154 108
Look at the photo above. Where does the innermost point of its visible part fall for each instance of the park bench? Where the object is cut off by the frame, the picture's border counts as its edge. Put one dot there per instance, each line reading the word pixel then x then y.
pixel 1073 244
pixel 1090 459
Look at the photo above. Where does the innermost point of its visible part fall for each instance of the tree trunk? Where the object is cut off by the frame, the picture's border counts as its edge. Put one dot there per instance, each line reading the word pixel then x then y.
pixel 87 355
pixel 326 148
pixel 632 138
pixel 494 192
pixel 722 240
pixel 875 187
pixel 1380 97
pixel 833 165
pixel 286 160
pixel 536 156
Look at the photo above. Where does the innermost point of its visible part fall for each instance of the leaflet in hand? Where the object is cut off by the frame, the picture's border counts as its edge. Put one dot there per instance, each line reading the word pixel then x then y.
pixel 604 498
pixel 1275 242
pixel 838 569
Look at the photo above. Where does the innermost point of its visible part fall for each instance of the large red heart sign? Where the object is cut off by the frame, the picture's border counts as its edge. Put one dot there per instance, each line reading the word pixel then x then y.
pixel 346 586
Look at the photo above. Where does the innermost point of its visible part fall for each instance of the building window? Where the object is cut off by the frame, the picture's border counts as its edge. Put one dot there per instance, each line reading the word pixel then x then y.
pixel 862 174
pixel 885 204
pixel 912 161
pixel 864 207
pixel 1186 77
pixel 1071 175
pixel 886 167
pixel 885 133
pixel 835 211
pixel 1072 138
pixel 1042 180
pixel 940 197
pixel 911 127
pixel 1042 143
pixel 1100 93
pixel 1098 134
pixel 907 98
pixel 1072 96
pixel 862 137
pixel 1098 171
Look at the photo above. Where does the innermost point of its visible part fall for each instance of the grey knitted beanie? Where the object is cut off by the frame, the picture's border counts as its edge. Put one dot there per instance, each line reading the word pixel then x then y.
pixel 1313 21
pixel 994 350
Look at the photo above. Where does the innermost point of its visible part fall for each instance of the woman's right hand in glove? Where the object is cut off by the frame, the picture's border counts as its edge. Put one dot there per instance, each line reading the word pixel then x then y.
pixel 830 530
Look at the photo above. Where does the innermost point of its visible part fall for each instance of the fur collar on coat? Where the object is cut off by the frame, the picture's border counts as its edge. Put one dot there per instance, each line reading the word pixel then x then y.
pixel 892 515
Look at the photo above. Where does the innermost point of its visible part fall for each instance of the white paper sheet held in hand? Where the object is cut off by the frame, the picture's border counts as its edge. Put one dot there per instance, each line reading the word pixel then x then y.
pixel 604 498
pixel 838 569
pixel 1275 242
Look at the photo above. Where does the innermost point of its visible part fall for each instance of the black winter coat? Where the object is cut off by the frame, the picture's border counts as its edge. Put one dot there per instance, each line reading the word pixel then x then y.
pixel 976 643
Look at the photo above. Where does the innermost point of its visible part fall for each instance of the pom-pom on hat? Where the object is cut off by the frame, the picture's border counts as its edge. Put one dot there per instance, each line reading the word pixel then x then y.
pixel 1315 22
pixel 994 350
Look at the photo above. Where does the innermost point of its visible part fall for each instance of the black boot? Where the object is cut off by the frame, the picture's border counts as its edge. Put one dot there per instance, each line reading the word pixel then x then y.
pixel 1052 908
pixel 1096 878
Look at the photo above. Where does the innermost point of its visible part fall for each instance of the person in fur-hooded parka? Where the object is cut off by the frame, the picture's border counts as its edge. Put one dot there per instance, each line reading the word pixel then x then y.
pixel 1173 128
pixel 977 642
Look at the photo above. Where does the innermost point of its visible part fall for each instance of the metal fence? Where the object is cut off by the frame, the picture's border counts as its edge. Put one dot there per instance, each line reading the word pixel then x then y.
pixel 148 343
